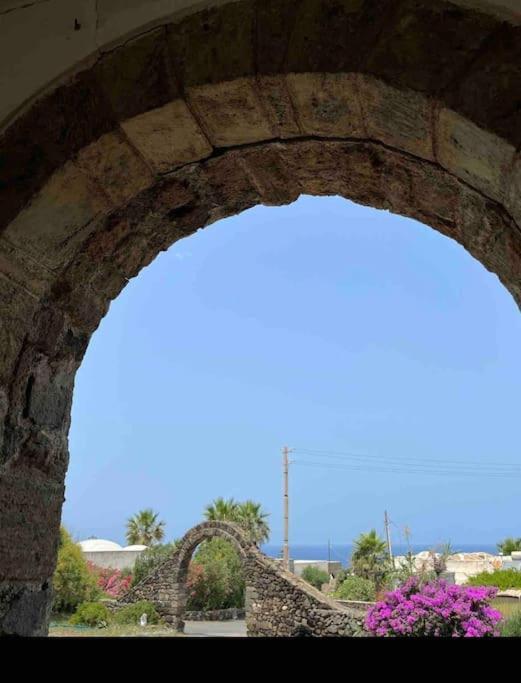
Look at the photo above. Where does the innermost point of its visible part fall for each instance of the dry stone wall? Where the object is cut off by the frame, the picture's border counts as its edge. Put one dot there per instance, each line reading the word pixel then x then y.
pixel 229 614
pixel 278 603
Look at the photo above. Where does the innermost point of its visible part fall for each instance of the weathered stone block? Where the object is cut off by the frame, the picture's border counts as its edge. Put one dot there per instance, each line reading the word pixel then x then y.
pixel 513 191
pixel 31 508
pixel 334 37
pixel 231 113
pixel 491 83
pixel 113 163
pixel 425 44
pixel 25 609
pixel 214 45
pixel 18 267
pixel 168 137
pixel 18 307
pixel 268 170
pixel 327 104
pixel 278 106
pixel 59 218
pixel 135 77
pixel 399 118
pixel 473 154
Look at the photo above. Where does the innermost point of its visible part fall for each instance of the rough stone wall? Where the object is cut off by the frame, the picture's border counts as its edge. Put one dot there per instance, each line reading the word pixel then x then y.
pixel 278 603
pixel 228 614
pixel 408 106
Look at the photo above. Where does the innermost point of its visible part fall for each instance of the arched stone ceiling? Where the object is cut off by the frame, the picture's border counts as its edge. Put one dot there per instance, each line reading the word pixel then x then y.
pixel 407 105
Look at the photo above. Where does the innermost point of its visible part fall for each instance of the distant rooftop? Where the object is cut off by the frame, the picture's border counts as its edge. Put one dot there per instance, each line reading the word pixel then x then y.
pixel 91 545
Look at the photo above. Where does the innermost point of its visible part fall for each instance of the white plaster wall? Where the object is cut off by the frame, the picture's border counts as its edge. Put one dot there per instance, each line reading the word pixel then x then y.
pixel 115 559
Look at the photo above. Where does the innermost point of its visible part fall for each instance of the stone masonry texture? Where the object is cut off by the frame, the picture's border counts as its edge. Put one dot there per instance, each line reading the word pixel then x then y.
pixel 278 603
pixel 409 106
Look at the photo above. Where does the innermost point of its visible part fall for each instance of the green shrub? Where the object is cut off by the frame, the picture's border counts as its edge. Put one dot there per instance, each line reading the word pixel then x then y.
pixel 511 628
pixel 503 579
pixel 315 576
pixel 72 581
pixel 215 577
pixel 93 614
pixel 150 559
pixel 356 588
pixel 131 614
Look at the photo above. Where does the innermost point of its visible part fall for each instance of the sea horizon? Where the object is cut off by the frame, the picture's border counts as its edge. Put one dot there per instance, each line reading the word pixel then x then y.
pixel 342 552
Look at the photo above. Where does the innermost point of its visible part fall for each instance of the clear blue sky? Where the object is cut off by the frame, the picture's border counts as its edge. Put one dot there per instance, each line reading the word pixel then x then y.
pixel 322 325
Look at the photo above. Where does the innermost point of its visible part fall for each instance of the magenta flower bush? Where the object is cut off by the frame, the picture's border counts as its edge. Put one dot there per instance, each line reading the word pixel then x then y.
pixel 435 609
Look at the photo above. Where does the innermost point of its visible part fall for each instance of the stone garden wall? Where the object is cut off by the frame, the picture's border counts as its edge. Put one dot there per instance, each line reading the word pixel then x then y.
pixel 216 615
pixel 278 603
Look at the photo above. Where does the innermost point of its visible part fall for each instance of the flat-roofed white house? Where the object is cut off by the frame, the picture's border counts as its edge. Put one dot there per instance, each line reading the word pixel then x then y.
pixel 108 554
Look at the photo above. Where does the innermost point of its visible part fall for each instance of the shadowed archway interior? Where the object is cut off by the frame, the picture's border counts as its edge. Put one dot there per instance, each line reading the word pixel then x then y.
pixel 396 105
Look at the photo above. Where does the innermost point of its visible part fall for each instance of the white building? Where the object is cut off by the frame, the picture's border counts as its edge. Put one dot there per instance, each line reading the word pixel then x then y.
pixel 107 554
pixel 464 565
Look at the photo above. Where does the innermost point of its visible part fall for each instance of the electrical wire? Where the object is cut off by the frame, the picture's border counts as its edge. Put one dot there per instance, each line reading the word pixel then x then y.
pixel 381 468
pixel 407 460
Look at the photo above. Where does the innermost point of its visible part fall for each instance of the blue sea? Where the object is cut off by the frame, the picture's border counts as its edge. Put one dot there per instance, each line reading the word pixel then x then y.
pixel 342 553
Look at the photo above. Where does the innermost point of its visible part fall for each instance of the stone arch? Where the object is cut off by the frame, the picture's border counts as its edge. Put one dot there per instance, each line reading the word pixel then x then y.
pixel 395 104
pixel 204 532
pixel 166 588
pixel 277 603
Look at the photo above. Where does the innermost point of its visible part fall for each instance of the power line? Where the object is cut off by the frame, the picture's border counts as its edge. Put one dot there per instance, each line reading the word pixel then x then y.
pixel 352 455
pixel 407 470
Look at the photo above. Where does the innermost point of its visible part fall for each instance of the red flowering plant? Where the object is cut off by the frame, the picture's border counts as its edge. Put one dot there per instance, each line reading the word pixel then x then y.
pixel 196 587
pixel 113 582
pixel 419 609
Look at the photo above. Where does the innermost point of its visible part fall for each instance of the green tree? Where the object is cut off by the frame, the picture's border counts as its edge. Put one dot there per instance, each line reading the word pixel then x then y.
pixel 215 578
pixel 222 510
pixel 315 576
pixel 356 588
pixel 145 529
pixel 369 559
pixel 253 520
pixel 509 545
pixel 248 515
pixel 72 581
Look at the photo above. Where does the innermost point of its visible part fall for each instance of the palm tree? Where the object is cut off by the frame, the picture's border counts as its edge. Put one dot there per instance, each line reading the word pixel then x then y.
pixel 368 545
pixel 369 558
pixel 144 529
pixel 248 515
pixel 222 510
pixel 254 521
pixel 509 545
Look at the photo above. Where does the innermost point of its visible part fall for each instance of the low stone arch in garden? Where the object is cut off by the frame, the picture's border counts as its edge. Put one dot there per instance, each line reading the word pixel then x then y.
pixel 277 603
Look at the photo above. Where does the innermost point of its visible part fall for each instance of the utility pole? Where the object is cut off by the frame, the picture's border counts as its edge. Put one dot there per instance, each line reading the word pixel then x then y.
pixel 285 466
pixel 328 550
pixel 388 535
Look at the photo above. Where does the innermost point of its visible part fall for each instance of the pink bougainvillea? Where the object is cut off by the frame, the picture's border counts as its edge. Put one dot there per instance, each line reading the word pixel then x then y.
pixel 435 609
pixel 110 581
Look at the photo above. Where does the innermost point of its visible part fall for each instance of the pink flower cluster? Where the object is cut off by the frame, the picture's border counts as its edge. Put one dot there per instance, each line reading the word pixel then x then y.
pixel 110 581
pixel 435 609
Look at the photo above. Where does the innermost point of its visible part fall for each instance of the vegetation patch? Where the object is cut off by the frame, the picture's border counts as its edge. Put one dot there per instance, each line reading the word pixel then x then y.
pixel 315 576
pixel 356 588
pixel 511 628
pixel 73 584
pixel 131 614
pixel 503 579
pixel 93 614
